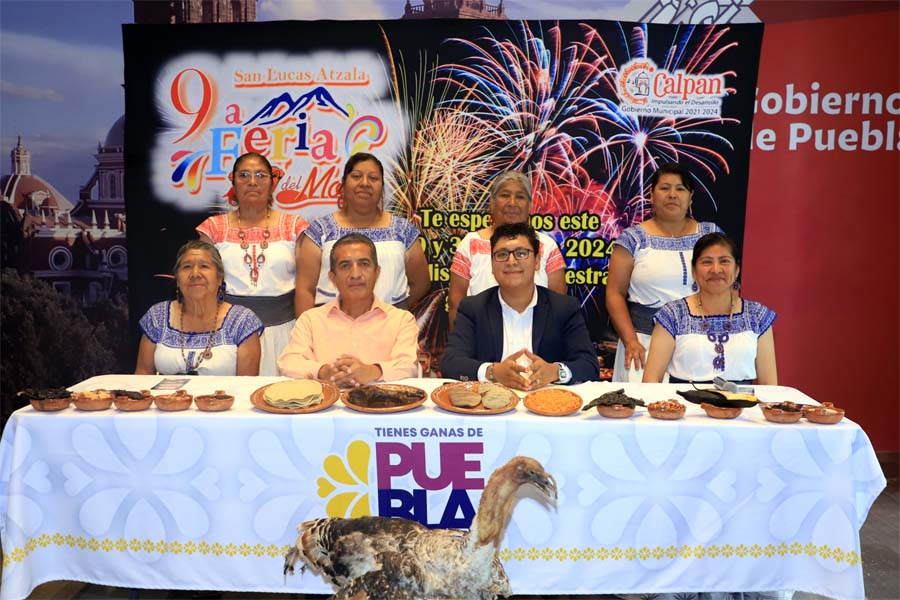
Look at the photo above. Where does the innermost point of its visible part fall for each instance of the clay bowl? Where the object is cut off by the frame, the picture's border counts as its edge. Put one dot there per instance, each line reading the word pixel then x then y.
pixel 134 404
pixel 214 402
pixel 180 400
pixel 782 412
pixel 720 412
pixel 666 410
pixel 46 399
pixel 96 400
pixel 615 411
pixel 50 404
pixel 826 414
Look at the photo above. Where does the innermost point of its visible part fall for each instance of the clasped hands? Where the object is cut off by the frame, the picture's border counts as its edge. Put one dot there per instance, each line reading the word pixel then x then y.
pixel 514 374
pixel 349 371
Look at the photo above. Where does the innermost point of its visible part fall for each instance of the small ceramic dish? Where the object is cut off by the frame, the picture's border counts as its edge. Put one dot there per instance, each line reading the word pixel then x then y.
pixel 781 412
pixel 46 399
pixel 826 414
pixel 667 410
pixel 90 401
pixel 132 401
pixel 721 412
pixel 180 400
pixel 50 404
pixel 615 411
pixel 214 402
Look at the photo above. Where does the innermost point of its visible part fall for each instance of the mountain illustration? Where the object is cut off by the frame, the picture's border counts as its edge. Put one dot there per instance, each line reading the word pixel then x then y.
pixel 318 95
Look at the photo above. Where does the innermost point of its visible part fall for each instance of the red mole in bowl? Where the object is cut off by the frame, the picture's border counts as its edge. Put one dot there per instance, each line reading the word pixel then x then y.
pixel 132 401
pixel 721 412
pixel 214 402
pixel 781 412
pixel 96 400
pixel 180 400
pixel 668 410
pixel 47 399
pixel 826 414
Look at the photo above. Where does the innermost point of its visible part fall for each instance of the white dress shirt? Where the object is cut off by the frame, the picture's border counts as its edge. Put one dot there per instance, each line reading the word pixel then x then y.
pixel 517 330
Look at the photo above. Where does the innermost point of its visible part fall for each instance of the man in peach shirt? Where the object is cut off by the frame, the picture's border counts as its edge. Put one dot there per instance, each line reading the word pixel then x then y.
pixel 355 339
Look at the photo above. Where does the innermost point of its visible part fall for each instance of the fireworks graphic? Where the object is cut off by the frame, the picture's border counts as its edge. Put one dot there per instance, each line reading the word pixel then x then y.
pixel 546 102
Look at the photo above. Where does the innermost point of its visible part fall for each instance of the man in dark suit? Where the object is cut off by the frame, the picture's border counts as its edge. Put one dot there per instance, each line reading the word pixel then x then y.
pixel 518 334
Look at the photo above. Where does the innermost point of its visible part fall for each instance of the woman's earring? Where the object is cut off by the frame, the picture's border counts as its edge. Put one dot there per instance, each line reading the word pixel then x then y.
pixel 221 295
pixel 736 285
pixel 695 287
pixel 178 297
pixel 340 201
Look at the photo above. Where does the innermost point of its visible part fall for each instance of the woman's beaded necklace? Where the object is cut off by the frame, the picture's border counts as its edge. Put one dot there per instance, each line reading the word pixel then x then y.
pixel 189 367
pixel 718 340
pixel 253 261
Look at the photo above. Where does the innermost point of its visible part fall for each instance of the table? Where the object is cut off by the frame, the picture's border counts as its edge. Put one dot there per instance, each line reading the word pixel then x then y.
pixel 195 500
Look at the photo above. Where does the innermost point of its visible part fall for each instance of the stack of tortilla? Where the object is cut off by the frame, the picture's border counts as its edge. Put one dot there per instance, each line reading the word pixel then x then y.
pixel 299 393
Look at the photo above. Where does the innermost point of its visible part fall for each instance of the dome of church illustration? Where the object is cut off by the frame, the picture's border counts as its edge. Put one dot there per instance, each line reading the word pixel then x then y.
pixel 27 191
pixel 116 136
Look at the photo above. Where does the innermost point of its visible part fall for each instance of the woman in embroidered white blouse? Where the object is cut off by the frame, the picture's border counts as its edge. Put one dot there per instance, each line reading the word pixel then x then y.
pixel 715 332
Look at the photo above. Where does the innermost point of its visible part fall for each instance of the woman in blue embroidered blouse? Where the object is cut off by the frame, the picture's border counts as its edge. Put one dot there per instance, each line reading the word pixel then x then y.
pixel 715 332
pixel 648 267
pixel 199 333
pixel 404 277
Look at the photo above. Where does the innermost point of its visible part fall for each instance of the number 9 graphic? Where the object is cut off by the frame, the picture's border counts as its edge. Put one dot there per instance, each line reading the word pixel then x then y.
pixel 205 107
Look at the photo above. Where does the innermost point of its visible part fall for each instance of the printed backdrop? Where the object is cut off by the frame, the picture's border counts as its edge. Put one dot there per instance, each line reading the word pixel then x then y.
pixel 588 109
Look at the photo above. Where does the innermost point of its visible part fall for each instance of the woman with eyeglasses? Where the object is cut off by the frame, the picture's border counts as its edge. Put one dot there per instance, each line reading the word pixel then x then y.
pixel 259 248
pixel 404 278
pixel 470 272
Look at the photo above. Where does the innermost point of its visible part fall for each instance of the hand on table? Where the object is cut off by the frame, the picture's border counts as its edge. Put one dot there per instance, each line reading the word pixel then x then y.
pixel 349 371
pixel 542 372
pixel 512 373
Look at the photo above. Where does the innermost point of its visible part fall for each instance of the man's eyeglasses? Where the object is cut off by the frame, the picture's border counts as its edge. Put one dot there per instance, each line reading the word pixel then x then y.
pixel 519 253
pixel 259 175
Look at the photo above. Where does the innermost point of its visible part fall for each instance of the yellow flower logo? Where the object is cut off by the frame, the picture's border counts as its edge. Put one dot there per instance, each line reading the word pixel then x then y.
pixel 769 550
pixel 810 549
pixel 658 553
pixel 203 548
pixel 712 551
pixel 589 554
pixel 342 473
pixel 644 553
pixel 519 554
pixel 838 555
pixel 852 558
pixel 505 554
pixel 755 551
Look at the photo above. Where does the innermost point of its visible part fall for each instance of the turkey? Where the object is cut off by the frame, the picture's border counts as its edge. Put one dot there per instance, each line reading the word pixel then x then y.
pixel 398 559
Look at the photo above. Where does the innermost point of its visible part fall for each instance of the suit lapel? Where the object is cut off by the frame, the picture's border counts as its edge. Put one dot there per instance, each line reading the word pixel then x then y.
pixel 539 319
pixel 495 323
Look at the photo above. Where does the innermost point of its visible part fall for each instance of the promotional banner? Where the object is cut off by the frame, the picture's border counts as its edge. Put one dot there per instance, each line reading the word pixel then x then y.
pixel 587 109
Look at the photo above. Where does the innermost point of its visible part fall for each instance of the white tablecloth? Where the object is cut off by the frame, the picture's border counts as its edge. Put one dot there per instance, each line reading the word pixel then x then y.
pixel 195 500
